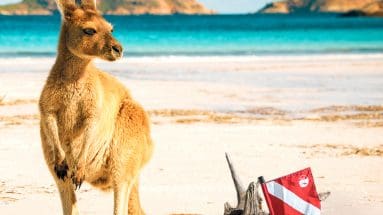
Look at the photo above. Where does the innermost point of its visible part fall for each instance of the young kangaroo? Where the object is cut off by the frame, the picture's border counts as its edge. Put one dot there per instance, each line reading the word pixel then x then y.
pixel 91 128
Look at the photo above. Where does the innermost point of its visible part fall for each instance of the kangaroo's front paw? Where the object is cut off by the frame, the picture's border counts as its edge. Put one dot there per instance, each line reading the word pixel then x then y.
pixel 61 170
pixel 78 177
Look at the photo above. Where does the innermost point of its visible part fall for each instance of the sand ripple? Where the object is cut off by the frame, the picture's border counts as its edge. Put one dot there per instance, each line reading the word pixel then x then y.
pixel 339 150
pixel 358 115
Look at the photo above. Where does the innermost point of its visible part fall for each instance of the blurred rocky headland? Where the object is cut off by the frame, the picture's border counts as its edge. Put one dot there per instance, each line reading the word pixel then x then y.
pixel 343 7
pixel 117 7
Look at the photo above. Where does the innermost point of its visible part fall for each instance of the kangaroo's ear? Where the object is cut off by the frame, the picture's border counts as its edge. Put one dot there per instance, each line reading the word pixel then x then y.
pixel 66 7
pixel 88 4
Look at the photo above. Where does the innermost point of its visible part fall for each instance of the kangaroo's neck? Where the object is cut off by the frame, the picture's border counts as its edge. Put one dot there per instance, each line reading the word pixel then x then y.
pixel 69 67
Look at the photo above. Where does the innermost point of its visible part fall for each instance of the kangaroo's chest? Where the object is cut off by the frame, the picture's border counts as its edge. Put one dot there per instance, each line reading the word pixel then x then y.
pixel 74 108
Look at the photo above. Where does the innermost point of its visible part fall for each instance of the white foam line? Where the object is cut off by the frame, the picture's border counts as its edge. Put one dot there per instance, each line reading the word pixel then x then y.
pixel 207 59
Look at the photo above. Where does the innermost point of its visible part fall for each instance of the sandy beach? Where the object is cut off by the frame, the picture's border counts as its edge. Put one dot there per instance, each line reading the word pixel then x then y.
pixel 274 115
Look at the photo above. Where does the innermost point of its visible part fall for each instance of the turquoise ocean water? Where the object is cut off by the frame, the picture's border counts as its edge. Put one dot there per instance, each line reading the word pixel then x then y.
pixel 207 35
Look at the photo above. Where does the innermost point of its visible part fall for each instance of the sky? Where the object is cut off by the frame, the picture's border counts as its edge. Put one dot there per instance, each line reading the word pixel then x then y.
pixel 221 6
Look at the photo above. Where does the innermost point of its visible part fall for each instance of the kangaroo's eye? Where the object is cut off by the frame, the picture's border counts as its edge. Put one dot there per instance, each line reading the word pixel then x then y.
pixel 111 31
pixel 89 31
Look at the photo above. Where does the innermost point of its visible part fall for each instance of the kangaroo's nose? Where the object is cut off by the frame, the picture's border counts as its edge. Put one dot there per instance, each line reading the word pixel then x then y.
pixel 117 49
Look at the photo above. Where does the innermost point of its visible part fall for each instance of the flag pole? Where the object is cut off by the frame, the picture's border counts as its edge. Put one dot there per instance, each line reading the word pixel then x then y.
pixel 262 182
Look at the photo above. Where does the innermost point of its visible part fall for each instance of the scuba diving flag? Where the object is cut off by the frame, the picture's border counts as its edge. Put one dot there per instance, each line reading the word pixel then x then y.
pixel 293 194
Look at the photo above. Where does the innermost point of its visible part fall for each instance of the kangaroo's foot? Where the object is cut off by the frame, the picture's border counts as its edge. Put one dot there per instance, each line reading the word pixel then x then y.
pixel 61 170
pixel 78 177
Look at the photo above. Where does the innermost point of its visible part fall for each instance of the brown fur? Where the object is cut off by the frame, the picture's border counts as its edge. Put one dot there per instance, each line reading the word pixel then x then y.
pixel 91 128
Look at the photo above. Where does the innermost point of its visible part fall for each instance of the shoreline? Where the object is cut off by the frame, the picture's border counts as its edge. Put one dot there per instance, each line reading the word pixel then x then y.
pixel 224 84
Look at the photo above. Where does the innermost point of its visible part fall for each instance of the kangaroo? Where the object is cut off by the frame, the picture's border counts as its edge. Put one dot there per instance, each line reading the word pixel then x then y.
pixel 91 128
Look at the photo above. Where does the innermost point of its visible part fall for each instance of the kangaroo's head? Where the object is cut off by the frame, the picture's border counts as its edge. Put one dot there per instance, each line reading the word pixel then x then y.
pixel 85 33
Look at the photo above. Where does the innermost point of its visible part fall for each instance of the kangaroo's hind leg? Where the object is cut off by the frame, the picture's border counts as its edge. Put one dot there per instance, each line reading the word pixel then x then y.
pixel 131 149
pixel 121 191
pixel 134 201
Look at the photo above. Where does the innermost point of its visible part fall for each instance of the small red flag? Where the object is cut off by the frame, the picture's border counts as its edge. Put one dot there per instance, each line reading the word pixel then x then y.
pixel 293 194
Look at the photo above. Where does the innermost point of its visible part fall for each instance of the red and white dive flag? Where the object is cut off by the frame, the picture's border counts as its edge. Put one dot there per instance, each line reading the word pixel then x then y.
pixel 293 194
